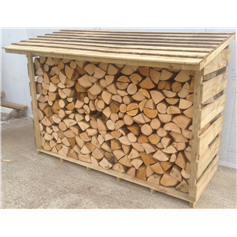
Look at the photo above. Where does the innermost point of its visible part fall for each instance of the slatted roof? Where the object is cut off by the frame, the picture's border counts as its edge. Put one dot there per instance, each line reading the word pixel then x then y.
pixel 183 50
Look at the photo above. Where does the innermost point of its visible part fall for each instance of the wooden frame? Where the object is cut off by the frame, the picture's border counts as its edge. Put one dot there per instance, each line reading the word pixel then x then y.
pixel 209 85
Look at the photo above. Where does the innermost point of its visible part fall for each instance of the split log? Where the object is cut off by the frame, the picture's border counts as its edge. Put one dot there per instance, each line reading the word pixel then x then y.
pixel 148 160
pixel 119 154
pixel 183 187
pixel 149 148
pixel 131 171
pixel 182 121
pixel 166 141
pixel 137 162
pixel 165 75
pixel 165 118
pixel 112 89
pixel 96 89
pixel 133 154
pixel 169 150
pixel 180 160
pixel 157 168
pixel 141 173
pixel 147 83
pixel 154 179
pixel 169 94
pixel 149 171
pixel 150 113
pixel 125 161
pixel 189 112
pixel 172 101
pixel 172 127
pixel 135 78
pixel 183 76
pixel 173 110
pixel 154 139
pixel 112 70
pixel 164 85
pixel 155 75
pixel 185 104
pixel 119 168
pixel 145 93
pixel 176 173
pixel 138 147
pixel 168 181
pixel 184 91
pixel 157 96
pixel 177 137
pixel 160 156
pixel 138 96
pixel 90 69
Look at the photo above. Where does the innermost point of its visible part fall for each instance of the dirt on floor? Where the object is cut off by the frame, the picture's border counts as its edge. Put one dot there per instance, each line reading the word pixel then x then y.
pixel 31 181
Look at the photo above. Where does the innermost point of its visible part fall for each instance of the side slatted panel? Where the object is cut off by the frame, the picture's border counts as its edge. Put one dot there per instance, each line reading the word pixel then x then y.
pixel 211 120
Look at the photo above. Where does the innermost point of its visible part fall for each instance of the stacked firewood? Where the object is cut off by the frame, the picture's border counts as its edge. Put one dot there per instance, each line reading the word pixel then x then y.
pixel 134 120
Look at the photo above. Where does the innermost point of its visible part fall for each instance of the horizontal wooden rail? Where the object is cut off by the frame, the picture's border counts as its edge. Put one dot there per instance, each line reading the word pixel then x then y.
pixel 12 105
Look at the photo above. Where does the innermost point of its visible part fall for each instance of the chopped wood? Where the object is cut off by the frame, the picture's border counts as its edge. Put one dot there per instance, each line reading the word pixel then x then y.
pixel 146 129
pixel 154 139
pixel 184 91
pixel 164 85
pixel 135 78
pixel 168 181
pixel 160 156
pixel 149 171
pixel 169 94
pixel 112 89
pixel 180 160
pixel 165 75
pixel 119 168
pixel 185 104
pixel 148 147
pixel 183 187
pixel 137 162
pixel 133 154
pixel 154 179
pixel 183 76
pixel 150 113
pixel 148 160
pixel 90 69
pixel 157 168
pixel 84 157
pixel 157 96
pixel 125 161
pixel 112 70
pixel 119 154
pixel 189 112
pixel 155 123
pixel 131 171
pixel 138 147
pixel 173 110
pixel 141 173
pixel 147 83
pixel 182 121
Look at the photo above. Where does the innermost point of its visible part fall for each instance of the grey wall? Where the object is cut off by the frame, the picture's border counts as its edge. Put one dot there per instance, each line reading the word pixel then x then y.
pixel 15 82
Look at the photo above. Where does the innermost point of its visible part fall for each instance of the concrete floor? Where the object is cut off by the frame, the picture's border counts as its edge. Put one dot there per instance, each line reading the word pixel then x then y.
pixel 31 181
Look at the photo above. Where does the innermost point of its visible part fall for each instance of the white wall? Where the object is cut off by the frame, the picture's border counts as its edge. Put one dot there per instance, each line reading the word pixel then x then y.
pixel 15 81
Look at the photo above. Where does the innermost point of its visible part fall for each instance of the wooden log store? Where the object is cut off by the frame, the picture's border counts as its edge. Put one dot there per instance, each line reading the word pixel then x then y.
pixel 143 106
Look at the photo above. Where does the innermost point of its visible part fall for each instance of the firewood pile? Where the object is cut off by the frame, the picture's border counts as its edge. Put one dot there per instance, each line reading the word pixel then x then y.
pixel 134 120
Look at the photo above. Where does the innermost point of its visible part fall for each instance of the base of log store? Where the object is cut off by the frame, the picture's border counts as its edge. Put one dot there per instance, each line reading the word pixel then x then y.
pixel 141 106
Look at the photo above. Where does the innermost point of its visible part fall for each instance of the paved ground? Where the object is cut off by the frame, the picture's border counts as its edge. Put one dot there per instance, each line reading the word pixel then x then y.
pixel 41 181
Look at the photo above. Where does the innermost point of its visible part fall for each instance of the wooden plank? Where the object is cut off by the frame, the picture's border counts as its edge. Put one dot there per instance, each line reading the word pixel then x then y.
pixel 79 42
pixel 220 61
pixel 13 105
pixel 2 94
pixel 207 176
pixel 140 38
pixel 139 60
pixel 208 135
pixel 210 111
pixel 151 32
pixel 195 142
pixel 34 101
pixel 167 190
pixel 113 50
pixel 213 86
pixel 208 60
pixel 208 155
pixel 71 38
